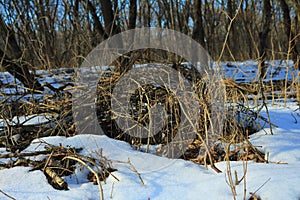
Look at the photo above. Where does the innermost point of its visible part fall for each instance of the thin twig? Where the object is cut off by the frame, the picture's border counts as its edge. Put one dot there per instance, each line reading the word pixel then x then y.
pixel 112 189
pixel 228 31
pixel 262 185
pixel 7 195
pixel 137 173
pixel 93 171
pixel 12 155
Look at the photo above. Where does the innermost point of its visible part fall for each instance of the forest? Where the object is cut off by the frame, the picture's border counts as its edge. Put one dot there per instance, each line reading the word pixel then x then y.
pixel 170 130
pixel 57 33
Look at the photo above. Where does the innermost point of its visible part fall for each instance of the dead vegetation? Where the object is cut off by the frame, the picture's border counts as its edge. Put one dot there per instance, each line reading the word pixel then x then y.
pixel 232 144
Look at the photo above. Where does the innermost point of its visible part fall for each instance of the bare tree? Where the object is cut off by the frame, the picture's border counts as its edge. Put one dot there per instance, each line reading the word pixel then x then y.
pixel 109 17
pixel 264 36
pixel 11 58
pixel 198 31
pixel 291 39
pixel 55 33
pixel 96 20
pixel 132 14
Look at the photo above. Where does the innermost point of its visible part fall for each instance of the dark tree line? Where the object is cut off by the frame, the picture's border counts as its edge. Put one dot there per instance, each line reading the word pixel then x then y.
pixel 59 33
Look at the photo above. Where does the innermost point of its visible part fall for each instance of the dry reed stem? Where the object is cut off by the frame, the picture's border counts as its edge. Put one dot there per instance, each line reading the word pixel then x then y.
pixel 10 197
pixel 228 31
pixel 93 171
pixel 135 171
pixel 12 155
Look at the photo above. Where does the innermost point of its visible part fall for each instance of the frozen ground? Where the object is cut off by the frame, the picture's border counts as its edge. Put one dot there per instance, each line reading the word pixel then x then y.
pixel 172 179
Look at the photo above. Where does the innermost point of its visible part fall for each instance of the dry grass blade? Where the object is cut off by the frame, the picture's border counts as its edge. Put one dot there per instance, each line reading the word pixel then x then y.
pixel 135 171
pixel 12 155
pixel 253 194
pixel 133 168
pixel 10 197
pixel 259 155
pixel 91 170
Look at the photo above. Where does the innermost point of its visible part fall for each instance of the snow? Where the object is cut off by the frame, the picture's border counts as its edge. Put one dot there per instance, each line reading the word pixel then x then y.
pixel 27 120
pixel 248 72
pixel 171 178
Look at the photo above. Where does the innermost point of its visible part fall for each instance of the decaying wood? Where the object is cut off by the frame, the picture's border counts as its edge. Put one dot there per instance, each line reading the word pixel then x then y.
pixel 56 181
pixel 59 162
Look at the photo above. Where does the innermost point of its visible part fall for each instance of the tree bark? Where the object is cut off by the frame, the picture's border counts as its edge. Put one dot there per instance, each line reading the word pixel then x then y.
pixel 132 14
pixel 109 20
pixel 11 59
pixel 263 36
pixel 97 23
pixel 198 31
pixel 289 32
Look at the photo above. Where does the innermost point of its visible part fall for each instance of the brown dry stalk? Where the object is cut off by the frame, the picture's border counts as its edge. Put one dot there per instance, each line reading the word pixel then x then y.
pixel 12 155
pixel 133 168
pixel 91 170
pixel 135 171
pixel 256 152
pixel 229 179
pixel 228 31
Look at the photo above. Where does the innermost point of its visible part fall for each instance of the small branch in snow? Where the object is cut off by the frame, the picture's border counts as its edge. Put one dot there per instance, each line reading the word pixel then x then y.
pixel 135 171
pixel 91 170
pixel 13 155
pixel 7 195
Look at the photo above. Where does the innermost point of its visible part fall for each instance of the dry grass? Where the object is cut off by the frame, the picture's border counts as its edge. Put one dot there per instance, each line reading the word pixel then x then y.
pixel 231 145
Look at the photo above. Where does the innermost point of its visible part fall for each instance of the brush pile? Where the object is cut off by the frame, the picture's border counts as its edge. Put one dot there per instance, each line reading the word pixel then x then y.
pixel 23 121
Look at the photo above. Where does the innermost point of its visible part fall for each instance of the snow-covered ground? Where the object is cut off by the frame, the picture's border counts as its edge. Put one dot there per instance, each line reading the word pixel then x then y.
pixel 172 178
pixel 238 71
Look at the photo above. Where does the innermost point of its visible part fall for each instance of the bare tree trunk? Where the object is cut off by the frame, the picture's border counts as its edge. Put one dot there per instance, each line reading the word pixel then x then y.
pixel 97 23
pixel 109 18
pixel 198 31
pixel 289 32
pixel 13 62
pixel 168 15
pixel 132 14
pixel 76 27
pixel 247 27
pixel 264 36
